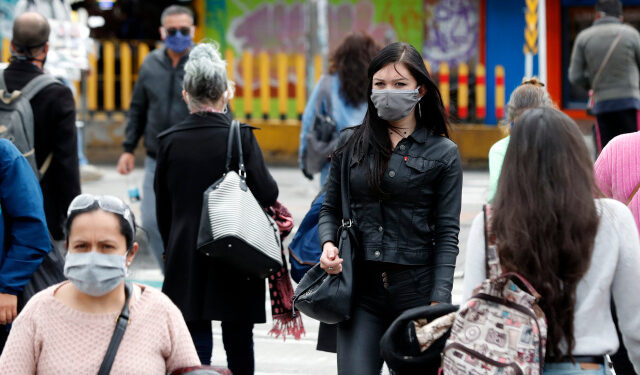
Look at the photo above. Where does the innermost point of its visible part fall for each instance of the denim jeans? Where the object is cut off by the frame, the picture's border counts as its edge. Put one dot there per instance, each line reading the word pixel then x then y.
pixel 568 368
pixel 148 210
pixel 378 301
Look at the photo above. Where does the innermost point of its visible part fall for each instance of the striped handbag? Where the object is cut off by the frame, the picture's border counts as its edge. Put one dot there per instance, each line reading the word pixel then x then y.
pixel 234 229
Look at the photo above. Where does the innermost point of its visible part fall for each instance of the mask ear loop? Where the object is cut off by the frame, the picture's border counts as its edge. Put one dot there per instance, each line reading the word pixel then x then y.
pixel 419 110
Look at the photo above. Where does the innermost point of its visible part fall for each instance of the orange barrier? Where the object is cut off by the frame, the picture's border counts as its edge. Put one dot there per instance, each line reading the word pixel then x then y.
pixel 500 94
pixel 463 91
pixel 481 92
pixel 283 84
pixel 443 84
pixel 265 84
pixel 247 89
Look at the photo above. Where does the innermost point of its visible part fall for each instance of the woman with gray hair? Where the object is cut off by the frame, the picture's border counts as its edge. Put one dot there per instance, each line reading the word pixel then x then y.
pixel 530 94
pixel 191 157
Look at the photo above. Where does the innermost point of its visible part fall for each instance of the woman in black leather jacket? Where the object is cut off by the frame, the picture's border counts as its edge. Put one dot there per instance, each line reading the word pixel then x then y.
pixel 405 189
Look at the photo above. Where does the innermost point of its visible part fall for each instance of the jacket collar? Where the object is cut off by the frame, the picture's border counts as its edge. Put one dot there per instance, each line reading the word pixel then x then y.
pixel 23 66
pixel 202 120
pixel 606 20
pixel 420 135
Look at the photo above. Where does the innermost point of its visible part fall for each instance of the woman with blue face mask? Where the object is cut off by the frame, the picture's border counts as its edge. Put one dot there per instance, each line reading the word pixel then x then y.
pixel 405 191
pixel 67 328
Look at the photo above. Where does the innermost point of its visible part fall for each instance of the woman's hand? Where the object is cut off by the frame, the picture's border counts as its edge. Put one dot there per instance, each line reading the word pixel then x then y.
pixel 330 261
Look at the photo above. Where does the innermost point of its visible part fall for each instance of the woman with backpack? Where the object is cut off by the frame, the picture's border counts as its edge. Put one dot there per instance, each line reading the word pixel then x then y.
pixel 340 96
pixel 405 193
pixel 578 252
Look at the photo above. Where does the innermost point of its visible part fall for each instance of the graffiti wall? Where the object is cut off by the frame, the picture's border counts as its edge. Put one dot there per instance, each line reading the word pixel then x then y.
pixel 446 30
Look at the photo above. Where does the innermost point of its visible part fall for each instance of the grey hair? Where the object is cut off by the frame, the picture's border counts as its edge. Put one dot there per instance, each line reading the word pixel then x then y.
pixel 205 78
pixel 530 94
pixel 174 10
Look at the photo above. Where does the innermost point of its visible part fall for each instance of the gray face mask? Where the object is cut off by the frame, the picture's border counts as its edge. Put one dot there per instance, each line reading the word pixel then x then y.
pixel 394 105
pixel 94 273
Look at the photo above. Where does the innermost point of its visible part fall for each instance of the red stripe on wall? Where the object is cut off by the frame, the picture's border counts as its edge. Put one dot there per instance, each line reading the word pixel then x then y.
pixel 554 50
pixel 499 80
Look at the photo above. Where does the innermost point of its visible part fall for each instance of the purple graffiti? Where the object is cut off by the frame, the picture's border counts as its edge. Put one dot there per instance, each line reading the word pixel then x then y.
pixel 451 31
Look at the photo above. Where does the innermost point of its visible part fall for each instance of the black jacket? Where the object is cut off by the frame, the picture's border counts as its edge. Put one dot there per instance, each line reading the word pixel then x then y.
pixel 418 223
pixel 156 102
pixel 54 116
pixel 191 157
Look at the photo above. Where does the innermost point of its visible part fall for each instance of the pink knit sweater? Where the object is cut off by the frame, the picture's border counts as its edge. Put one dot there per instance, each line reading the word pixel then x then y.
pixel 49 337
pixel 617 171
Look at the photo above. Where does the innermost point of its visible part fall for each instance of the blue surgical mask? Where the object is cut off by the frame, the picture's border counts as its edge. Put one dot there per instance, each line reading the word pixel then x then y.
pixel 94 273
pixel 178 42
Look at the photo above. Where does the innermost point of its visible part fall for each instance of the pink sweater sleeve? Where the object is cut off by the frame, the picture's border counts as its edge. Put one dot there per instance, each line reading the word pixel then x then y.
pixel 183 352
pixel 20 354
pixel 602 172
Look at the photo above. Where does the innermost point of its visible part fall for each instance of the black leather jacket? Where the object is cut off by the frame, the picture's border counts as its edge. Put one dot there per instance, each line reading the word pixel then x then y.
pixel 419 222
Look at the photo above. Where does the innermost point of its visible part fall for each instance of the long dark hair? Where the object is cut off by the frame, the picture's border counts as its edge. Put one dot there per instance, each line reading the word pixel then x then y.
pixel 545 218
pixel 350 60
pixel 372 137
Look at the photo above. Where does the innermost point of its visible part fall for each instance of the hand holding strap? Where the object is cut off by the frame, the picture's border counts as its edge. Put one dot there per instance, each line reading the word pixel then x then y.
pixel 121 325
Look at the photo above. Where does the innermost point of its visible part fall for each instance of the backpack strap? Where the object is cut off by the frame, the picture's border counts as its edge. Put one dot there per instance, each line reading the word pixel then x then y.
pixel 45 166
pixel 3 86
pixel 324 95
pixel 34 86
pixel 492 261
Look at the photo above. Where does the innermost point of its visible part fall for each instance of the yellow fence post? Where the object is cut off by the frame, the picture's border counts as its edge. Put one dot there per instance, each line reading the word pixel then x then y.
pixel 247 87
pixel 500 94
pixel 265 85
pixel 143 51
pixel 283 85
pixel 443 84
pixel 463 91
pixel 300 84
pixel 481 92
pixel 92 82
pixel 125 75
pixel 230 57
pixel 6 49
pixel 428 65
pixel 109 76
pixel 317 68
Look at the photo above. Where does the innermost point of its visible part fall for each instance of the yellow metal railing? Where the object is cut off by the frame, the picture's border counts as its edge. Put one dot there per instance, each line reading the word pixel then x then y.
pixel 281 82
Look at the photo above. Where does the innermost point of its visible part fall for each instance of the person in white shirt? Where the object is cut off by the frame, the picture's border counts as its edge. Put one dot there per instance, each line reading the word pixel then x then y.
pixel 577 251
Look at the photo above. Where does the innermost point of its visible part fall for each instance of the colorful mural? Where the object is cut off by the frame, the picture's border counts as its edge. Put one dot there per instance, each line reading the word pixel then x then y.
pixel 451 31
pixel 267 25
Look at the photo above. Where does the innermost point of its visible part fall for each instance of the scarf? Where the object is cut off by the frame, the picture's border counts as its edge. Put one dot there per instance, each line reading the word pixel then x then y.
pixel 280 288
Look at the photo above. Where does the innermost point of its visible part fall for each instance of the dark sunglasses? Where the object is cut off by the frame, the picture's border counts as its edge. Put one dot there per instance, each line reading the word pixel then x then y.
pixel 183 30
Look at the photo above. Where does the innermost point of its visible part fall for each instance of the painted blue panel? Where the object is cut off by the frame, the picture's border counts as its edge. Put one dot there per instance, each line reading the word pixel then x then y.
pixel 505 41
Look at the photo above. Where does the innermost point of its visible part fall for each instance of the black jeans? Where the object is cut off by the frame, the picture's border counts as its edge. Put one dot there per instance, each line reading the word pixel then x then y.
pixel 383 292
pixel 611 124
pixel 237 338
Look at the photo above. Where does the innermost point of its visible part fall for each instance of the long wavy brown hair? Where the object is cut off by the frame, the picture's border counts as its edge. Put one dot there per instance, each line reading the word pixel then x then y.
pixel 350 61
pixel 545 218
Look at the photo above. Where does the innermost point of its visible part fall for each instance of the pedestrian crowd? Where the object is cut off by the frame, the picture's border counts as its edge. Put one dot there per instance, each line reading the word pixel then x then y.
pixel 551 261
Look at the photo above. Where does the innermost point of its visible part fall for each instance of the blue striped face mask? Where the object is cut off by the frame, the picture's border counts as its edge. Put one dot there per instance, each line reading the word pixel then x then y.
pixel 394 105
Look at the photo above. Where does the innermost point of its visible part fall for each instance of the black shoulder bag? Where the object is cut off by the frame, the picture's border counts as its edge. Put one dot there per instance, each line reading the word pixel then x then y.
pixel 326 297
pixel 118 333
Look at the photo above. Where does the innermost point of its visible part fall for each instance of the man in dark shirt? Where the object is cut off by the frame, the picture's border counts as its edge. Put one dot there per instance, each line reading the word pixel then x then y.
pixel 54 119
pixel 156 105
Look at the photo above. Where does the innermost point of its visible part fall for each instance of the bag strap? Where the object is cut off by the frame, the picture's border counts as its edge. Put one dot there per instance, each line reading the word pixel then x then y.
pixel 234 134
pixel 118 333
pixel 344 187
pixel 491 259
pixel 3 86
pixel 324 94
pixel 633 194
pixel 606 60
pixel 33 87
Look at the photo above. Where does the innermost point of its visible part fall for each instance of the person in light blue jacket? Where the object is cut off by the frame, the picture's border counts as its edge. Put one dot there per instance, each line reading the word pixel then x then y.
pixel 24 237
pixel 346 90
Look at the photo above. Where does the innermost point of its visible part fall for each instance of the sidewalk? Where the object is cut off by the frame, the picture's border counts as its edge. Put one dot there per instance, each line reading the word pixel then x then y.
pixel 275 356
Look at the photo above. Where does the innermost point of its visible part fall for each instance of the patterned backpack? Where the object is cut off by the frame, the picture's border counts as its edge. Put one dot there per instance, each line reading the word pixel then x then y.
pixel 501 329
